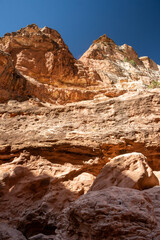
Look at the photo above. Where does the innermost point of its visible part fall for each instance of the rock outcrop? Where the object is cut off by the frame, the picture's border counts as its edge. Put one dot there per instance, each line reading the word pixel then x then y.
pixel 43 67
pixel 45 62
pixel 120 66
pixel 69 132
pixel 42 54
pixel 112 213
pixel 149 63
pixel 77 132
pixel 129 170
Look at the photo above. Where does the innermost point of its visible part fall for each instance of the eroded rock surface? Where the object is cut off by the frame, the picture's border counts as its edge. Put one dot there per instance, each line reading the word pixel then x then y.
pixel 34 191
pixel 61 122
pixel 46 69
pixel 129 170
pixel 11 83
pixel 119 66
pixel 112 213
pixel 50 71
pixel 42 54
pixel 102 128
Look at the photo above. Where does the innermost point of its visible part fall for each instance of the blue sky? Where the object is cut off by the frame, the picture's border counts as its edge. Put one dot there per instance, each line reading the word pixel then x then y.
pixel 135 22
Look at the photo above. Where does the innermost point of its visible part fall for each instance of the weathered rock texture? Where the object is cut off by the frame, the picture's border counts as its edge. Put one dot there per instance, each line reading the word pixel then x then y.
pixel 128 170
pixel 53 144
pixel 50 71
pixel 112 213
pixel 76 132
pixel 43 67
pixel 41 54
pixel 8 233
pixel 119 66
pixel 149 63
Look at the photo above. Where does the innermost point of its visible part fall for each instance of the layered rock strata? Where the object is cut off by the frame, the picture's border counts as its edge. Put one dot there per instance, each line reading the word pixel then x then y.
pixel 101 128
pixel 69 130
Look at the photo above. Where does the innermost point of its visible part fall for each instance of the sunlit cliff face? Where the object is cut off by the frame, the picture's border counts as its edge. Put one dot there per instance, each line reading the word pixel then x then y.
pixel 79 140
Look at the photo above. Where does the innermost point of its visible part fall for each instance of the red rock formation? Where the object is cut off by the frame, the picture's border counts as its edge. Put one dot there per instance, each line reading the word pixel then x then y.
pixel 112 213
pixel 50 154
pixel 119 66
pixel 46 69
pixel 129 170
pixel 41 55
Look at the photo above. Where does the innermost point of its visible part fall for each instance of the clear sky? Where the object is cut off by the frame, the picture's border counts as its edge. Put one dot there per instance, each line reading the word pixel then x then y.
pixel 134 22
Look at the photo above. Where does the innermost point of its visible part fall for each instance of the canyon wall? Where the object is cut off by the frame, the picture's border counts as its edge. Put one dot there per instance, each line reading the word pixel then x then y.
pixel 79 140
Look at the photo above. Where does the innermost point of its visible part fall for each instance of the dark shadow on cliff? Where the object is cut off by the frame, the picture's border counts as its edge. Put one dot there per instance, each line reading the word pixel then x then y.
pixel 31 198
pixel 31 201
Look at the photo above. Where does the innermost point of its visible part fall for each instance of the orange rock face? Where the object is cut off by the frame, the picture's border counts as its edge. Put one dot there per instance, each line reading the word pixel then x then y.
pixel 12 84
pixel 69 130
pixel 42 55
pixel 120 66
pixel 6 75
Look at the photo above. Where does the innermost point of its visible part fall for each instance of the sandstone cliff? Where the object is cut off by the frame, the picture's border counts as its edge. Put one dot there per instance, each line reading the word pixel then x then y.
pixel 43 67
pixel 119 66
pixel 79 140
pixel 43 60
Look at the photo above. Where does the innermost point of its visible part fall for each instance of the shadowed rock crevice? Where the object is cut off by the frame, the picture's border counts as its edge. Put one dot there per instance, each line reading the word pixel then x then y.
pixel 30 200
pixel 37 223
pixel 129 146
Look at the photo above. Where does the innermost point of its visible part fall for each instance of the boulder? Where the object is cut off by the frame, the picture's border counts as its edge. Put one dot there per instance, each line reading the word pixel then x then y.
pixel 128 170
pixel 34 190
pixel 109 214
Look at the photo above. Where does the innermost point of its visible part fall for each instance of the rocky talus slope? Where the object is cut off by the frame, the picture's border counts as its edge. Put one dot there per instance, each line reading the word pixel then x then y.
pixel 79 140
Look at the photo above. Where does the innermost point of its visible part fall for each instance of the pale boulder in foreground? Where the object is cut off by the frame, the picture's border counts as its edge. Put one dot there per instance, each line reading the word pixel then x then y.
pixel 129 170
